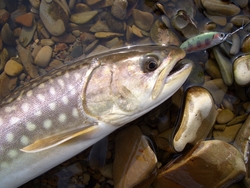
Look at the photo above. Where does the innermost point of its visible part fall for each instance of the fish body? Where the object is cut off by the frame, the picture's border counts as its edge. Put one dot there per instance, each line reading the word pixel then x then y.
pixel 59 115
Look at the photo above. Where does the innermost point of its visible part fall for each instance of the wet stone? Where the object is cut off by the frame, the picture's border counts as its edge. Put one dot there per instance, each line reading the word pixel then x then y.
pixel 65 38
pixel 47 42
pixel 13 68
pixel 56 64
pixel 42 58
pixel 25 19
pixel 99 26
pixel 114 24
pixel 4 16
pixel 224 116
pixel 143 20
pixel 83 17
pixel 4 56
pixel 213 69
pixel 241 70
pixel 7 35
pixel 201 160
pixel 119 9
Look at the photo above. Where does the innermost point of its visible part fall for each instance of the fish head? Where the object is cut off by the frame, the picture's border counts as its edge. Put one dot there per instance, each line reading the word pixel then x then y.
pixel 134 81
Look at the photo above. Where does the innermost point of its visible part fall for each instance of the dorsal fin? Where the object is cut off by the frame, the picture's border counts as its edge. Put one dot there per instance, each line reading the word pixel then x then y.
pixel 57 139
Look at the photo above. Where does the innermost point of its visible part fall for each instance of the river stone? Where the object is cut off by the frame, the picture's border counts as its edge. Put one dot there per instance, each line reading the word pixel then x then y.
pixel 241 70
pixel 225 116
pixel 119 9
pixel 7 35
pixel 228 134
pixel 27 34
pixel 83 17
pixel 42 58
pixel 4 16
pixel 134 160
pixel 80 7
pixel 25 19
pixel 199 117
pixel 99 26
pixel 56 64
pixel 7 84
pixel 54 17
pixel 47 42
pixel 213 69
pixel 114 24
pixel 143 20
pixel 107 34
pixel 246 45
pixel 4 56
pixel 13 68
pixel 212 163
pixel 64 38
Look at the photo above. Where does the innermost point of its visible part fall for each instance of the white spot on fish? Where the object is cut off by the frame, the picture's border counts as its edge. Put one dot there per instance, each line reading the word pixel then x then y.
pixel 25 107
pixel 41 97
pixel 9 137
pixel 75 112
pixel 70 87
pixel 30 126
pixel 62 118
pixel 29 93
pixel 67 74
pixel 47 123
pixel 77 76
pixel 14 120
pixel 9 109
pixel 52 91
pixel 10 100
pixel 1 121
pixel 24 140
pixel 51 81
pixel 12 153
pixel 38 113
pixel 52 106
pixel 73 92
pixel 42 85
pixel 65 100
pixel 61 82
pixel 4 165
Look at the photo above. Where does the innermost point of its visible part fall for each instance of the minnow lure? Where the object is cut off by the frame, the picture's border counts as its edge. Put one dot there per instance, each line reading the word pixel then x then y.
pixel 207 40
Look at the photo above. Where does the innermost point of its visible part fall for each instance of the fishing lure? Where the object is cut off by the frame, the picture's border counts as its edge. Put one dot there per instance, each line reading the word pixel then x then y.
pixel 207 40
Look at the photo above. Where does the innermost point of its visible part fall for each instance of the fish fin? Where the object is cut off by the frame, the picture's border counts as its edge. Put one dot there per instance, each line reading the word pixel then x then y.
pixel 55 140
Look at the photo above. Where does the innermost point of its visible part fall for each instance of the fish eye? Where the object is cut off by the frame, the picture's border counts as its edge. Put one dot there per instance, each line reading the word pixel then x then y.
pixel 222 35
pixel 150 63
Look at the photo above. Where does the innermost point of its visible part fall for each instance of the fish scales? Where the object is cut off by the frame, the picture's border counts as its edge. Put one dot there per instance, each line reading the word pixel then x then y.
pixel 70 109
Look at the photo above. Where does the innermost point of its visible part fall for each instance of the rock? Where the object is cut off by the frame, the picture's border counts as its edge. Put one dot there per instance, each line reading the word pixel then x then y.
pixel 92 2
pixel 246 45
pixel 112 42
pixel 107 171
pixel 76 51
pixel 83 17
pixel 27 34
pixel 199 117
pixel 4 16
pixel 13 68
pixel 237 119
pixel 224 116
pixel 114 24
pixel 4 56
pixel 35 3
pixel 134 160
pixel 80 7
pixel 65 38
pixel 47 42
pixel 6 84
pixel 54 17
pixel 204 166
pixel 241 70
pixel 43 57
pixel 119 9
pixel 7 35
pixel 60 47
pixel 107 34
pixel 25 19
pixel 99 26
pixel 143 20
pixel 75 168
pixel 87 38
pixel 213 69
pixel 227 135
pixel 56 64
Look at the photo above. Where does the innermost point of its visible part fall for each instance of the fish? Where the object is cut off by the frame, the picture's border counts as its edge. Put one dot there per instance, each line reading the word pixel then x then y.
pixel 57 116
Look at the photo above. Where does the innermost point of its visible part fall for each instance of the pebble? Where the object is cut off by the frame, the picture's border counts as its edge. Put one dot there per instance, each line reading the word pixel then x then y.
pixel 92 2
pixel 65 38
pixel 27 34
pixel 241 70
pixel 224 116
pixel 25 19
pixel 35 3
pixel 6 84
pixel 75 168
pixel 237 119
pixel 13 68
pixel 107 34
pixel 228 134
pixel 76 51
pixel 213 69
pixel 7 35
pixel 55 23
pixel 4 16
pixel 246 45
pixel 83 17
pixel 80 7
pixel 200 114
pixel 143 20
pixel 107 171
pixel 99 26
pixel 136 31
pixel 128 173
pixel 114 24
pixel 119 9
pixel 4 56
pixel 47 42
pixel 43 57
pixel 215 156
pixel 56 64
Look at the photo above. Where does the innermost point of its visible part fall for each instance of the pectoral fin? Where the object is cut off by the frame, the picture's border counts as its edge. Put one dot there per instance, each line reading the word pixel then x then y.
pixel 57 139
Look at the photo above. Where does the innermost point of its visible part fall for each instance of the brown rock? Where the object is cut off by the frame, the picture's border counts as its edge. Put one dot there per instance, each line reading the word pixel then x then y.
pixel 134 160
pixel 66 38
pixel 209 164
pixel 4 16
pixel 25 19
pixel 13 68
pixel 6 84
pixel 225 116
pixel 227 135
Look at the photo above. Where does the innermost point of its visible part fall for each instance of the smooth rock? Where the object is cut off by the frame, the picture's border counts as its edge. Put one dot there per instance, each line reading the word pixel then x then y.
pixel 114 24
pixel 54 17
pixel 119 9
pixel 7 84
pixel 99 26
pixel 27 34
pixel 208 164
pixel 76 51
pixel 198 119
pixel 13 68
pixel 241 70
pixel 65 38
pixel 4 56
pixel 4 16
pixel 25 19
pixel 228 134
pixel 225 116
pixel 80 7
pixel 134 160
pixel 92 2
pixel 43 57
pixel 112 42
pixel 246 45
pixel 47 42
pixel 136 31
pixel 87 38
pixel 35 3
pixel 143 20
pixel 237 119
pixel 217 88
pixel 7 35
pixel 56 64
pixel 107 34
pixel 83 17
pixel 107 171
pixel 213 69
pixel 75 168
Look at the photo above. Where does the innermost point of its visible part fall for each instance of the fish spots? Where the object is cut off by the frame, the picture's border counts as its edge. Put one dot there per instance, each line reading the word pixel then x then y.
pixel 75 112
pixel 72 91
pixel 41 86
pixel 25 107
pixel 12 153
pixel 67 74
pixel 9 137
pixel 30 126
pixel 65 100
pixel 9 109
pixel 14 120
pixel 47 124
pixel 62 118
pixel 52 91
pixel 1 121
pixel 29 93
pixel 40 97
pixel 24 140
pixel 52 106
pixel 61 82
pixel 77 76
pixel 38 113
